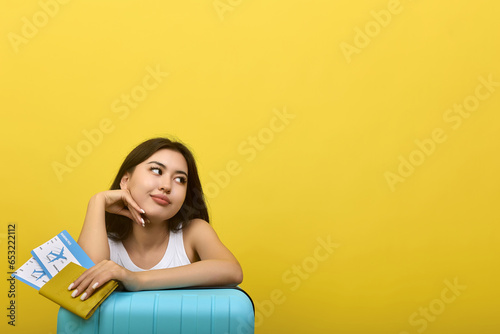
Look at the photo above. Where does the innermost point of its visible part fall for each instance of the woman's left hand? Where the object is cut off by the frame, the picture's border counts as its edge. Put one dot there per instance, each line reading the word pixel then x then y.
pixel 98 275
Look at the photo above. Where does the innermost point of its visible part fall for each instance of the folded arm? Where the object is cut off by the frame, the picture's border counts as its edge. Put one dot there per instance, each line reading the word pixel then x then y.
pixel 217 267
pixel 93 237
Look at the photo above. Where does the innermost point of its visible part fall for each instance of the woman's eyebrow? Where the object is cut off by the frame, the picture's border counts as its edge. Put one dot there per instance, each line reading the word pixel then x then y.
pixel 165 167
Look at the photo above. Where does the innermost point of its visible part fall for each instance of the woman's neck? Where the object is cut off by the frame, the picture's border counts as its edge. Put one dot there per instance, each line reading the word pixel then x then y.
pixel 147 238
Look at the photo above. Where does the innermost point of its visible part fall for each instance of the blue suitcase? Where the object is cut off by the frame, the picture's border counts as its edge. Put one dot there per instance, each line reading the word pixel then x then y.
pixel 176 311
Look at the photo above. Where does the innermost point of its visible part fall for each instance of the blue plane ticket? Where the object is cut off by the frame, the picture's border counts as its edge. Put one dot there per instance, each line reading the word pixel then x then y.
pixel 32 274
pixel 56 253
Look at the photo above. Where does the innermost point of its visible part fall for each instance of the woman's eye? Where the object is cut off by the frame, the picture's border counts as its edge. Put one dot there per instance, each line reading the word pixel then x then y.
pixel 181 179
pixel 156 170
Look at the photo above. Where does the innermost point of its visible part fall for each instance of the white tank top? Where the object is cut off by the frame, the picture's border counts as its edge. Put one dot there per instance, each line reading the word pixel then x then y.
pixel 175 255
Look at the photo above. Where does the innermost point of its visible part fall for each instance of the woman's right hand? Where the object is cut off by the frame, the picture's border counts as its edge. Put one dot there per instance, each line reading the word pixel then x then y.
pixel 120 202
pixel 94 237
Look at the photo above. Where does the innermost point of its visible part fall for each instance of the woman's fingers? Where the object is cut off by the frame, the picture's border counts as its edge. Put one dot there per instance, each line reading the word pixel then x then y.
pixel 94 285
pixel 130 202
pixel 93 278
pixel 133 208
pixel 83 285
pixel 82 282
pixel 121 202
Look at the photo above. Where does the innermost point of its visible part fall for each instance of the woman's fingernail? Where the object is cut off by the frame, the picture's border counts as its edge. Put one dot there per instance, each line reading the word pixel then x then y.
pixel 95 285
pixel 74 293
pixel 143 211
pixel 83 296
pixel 143 223
pixel 70 286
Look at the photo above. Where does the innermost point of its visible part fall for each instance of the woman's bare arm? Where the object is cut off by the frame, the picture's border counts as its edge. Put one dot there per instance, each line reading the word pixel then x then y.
pixel 93 237
pixel 217 267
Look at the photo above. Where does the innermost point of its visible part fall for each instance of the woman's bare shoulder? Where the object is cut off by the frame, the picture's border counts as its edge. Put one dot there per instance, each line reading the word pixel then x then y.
pixel 203 240
pixel 196 228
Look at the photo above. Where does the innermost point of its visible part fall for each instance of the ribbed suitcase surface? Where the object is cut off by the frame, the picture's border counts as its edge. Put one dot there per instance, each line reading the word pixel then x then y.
pixel 180 311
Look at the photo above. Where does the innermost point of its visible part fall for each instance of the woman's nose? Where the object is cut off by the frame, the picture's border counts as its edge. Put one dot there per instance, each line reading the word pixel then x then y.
pixel 166 184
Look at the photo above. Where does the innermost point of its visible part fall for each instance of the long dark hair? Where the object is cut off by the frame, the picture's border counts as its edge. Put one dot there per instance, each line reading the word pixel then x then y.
pixel 119 227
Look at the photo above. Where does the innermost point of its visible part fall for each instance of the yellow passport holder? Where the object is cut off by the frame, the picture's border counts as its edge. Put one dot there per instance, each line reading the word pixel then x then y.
pixel 56 289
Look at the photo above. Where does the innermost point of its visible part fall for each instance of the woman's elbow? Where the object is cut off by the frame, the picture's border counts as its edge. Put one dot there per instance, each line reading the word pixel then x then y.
pixel 236 276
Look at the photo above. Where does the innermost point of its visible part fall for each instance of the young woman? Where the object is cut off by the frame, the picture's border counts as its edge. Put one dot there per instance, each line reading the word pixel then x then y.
pixel 150 230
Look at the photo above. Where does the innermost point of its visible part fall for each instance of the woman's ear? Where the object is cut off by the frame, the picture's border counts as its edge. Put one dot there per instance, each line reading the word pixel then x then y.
pixel 124 181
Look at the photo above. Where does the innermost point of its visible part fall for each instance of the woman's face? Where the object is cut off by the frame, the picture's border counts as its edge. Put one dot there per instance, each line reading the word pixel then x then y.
pixel 159 184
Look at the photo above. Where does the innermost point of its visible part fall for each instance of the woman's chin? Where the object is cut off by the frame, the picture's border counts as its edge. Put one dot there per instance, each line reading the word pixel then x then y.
pixel 157 219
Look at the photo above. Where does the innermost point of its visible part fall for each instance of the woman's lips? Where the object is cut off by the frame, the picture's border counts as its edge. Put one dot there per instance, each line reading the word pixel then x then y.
pixel 161 199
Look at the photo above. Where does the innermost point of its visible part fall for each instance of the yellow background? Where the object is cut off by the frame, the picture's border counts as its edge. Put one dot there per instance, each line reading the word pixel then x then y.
pixel 320 174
